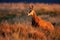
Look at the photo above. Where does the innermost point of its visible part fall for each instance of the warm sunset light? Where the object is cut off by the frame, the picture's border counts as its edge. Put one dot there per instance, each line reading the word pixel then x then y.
pixel 29 19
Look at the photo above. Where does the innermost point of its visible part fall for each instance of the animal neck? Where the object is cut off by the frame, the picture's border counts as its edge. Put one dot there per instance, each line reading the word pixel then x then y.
pixel 35 17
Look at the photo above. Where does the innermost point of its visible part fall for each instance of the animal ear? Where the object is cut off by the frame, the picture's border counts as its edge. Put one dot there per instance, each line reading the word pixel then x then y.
pixel 31 6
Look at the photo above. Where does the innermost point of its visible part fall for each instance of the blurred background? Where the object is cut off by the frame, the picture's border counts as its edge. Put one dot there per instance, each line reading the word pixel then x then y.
pixel 16 25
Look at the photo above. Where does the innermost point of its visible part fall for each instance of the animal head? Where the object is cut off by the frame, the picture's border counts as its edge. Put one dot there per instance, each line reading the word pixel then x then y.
pixel 31 11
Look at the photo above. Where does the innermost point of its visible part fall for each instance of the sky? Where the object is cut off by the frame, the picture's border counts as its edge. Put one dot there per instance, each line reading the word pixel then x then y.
pixel 29 1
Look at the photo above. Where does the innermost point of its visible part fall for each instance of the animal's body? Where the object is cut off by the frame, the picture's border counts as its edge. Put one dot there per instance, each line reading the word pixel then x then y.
pixel 40 22
pixel 34 23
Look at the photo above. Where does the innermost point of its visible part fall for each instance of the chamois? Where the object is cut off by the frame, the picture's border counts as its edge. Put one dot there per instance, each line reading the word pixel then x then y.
pixel 40 22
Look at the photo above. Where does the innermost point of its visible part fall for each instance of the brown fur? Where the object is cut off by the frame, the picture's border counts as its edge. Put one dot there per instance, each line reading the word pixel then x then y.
pixel 40 22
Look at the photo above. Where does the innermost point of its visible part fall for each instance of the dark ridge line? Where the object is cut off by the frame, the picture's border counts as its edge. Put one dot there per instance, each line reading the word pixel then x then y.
pixel 33 1
pixel 30 2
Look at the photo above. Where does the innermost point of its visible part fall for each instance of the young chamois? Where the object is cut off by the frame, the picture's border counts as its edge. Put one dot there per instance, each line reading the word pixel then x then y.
pixel 39 21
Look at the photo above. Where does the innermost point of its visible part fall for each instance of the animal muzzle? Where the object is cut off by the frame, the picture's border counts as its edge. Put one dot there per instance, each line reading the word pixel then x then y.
pixel 28 14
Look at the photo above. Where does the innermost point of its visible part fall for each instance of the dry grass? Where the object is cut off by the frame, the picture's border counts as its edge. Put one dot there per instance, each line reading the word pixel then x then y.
pixel 46 7
pixel 18 31
pixel 22 30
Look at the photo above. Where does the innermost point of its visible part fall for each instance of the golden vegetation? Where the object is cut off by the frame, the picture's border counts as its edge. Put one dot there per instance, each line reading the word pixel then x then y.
pixel 46 7
pixel 19 27
pixel 18 31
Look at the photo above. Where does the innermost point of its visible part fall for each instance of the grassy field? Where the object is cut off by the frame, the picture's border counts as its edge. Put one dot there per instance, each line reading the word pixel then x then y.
pixel 16 25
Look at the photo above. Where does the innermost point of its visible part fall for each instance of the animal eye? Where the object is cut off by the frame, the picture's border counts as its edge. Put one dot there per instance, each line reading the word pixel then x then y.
pixel 29 11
